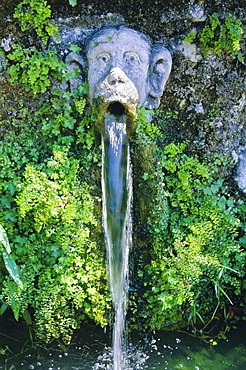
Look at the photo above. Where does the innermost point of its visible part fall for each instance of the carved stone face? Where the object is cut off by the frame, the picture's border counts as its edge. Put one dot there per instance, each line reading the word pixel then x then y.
pixel 123 67
pixel 118 66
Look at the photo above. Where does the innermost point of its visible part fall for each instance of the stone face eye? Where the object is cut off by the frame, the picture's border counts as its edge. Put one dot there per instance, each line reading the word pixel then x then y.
pixel 103 57
pixel 131 58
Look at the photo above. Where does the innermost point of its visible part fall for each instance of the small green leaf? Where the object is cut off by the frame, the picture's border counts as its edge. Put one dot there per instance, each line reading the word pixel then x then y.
pixel 11 267
pixel 95 43
pixel 4 239
pixel 189 37
pixel 27 317
pixel 200 317
pixel 75 48
pixel 73 2
pixel 14 303
pixel 3 308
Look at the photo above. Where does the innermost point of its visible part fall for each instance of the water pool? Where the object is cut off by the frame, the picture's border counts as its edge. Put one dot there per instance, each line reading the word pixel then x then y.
pixel 91 349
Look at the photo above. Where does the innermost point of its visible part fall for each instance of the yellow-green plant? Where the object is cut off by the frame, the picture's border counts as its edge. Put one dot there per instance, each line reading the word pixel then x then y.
pixel 219 36
pixel 46 207
pixel 35 14
pixel 194 258
pixel 34 68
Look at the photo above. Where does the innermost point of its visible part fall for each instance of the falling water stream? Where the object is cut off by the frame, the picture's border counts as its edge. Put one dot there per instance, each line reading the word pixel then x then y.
pixel 90 348
pixel 117 196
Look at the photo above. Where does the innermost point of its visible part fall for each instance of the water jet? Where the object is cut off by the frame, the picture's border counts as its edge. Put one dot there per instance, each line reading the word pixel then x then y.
pixel 125 72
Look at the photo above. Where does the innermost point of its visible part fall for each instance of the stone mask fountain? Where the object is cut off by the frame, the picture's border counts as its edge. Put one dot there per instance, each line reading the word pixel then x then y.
pixel 125 72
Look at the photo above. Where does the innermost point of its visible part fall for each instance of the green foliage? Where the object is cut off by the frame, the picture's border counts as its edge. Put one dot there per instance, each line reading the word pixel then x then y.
pixel 191 36
pixel 8 259
pixel 194 255
pixel 213 112
pixel 35 14
pixel 218 36
pixel 75 48
pixel 144 126
pixel 48 212
pixel 61 266
pixel 195 258
pixel 221 36
pixel 58 210
pixel 58 119
pixel 46 207
pixel 34 68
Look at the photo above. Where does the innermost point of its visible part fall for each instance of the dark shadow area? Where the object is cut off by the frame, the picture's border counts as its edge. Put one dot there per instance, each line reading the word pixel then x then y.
pixel 116 108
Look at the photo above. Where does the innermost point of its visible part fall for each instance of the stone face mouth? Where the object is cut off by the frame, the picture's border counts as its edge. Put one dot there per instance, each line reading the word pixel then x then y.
pixel 116 108
pixel 119 98
pixel 117 89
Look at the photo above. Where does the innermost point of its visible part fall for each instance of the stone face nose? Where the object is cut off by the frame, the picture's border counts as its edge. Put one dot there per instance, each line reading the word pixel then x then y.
pixel 116 76
pixel 117 87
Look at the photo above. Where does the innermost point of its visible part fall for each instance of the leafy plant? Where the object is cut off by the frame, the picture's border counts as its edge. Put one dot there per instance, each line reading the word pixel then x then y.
pixel 35 14
pixel 221 36
pixel 8 259
pixel 46 206
pixel 55 250
pixel 194 257
pixel 191 36
pixel 34 68
pixel 144 125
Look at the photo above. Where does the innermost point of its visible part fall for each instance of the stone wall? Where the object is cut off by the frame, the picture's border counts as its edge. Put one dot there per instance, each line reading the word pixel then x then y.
pixel 208 92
